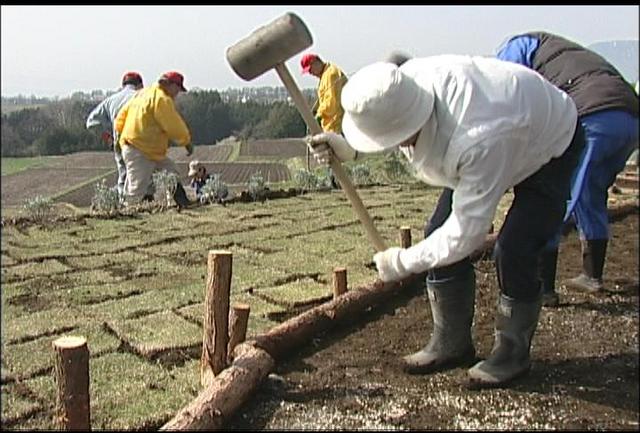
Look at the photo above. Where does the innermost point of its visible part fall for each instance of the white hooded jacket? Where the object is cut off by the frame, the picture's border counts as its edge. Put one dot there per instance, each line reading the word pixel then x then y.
pixel 493 125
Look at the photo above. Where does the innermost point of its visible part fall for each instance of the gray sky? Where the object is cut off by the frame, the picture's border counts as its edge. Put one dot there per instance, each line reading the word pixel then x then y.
pixel 56 50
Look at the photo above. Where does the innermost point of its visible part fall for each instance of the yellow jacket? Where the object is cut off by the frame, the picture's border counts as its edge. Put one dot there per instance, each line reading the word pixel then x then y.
pixel 149 120
pixel 329 109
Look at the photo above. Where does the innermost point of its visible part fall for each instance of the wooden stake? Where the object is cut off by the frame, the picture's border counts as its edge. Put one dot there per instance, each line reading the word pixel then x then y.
pixel 405 236
pixel 339 282
pixel 72 379
pixel 216 316
pixel 238 327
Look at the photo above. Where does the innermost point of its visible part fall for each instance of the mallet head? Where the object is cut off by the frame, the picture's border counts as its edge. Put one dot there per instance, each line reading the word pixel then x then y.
pixel 268 46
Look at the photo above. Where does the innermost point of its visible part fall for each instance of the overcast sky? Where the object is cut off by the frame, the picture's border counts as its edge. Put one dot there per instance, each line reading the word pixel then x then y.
pixel 56 50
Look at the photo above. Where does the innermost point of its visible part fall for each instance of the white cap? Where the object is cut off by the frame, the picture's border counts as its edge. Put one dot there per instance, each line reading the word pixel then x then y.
pixel 383 107
pixel 193 167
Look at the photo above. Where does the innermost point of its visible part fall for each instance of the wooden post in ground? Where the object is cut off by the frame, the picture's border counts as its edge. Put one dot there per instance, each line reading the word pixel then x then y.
pixel 72 379
pixel 405 237
pixel 216 316
pixel 238 327
pixel 339 282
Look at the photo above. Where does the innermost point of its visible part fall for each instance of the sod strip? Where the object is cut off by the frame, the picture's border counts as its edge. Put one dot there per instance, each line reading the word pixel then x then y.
pixel 255 358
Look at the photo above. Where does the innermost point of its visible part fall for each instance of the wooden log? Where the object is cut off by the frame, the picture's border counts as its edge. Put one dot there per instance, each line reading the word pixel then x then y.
pixel 72 379
pixel 339 282
pixel 405 237
pixel 279 340
pixel 226 393
pixel 238 327
pixel 216 315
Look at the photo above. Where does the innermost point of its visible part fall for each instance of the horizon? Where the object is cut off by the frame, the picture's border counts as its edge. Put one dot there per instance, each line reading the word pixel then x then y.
pixel 53 52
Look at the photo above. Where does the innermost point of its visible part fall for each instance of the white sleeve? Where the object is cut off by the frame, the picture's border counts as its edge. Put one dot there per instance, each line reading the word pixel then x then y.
pixel 98 117
pixel 485 173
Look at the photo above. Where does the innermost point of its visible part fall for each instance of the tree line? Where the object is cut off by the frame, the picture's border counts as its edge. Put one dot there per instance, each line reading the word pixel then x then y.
pixel 59 128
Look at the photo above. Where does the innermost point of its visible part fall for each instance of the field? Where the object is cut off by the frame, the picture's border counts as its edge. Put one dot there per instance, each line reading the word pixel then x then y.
pixel 72 178
pixel 134 287
pixel 584 374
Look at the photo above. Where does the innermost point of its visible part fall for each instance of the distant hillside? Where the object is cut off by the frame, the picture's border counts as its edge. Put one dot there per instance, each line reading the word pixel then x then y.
pixel 621 54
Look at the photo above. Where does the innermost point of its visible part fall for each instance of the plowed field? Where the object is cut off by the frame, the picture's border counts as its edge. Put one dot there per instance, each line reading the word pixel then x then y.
pixel 281 148
pixel 79 172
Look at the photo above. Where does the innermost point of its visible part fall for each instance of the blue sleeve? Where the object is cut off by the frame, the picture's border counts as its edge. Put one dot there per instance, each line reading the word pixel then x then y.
pixel 519 49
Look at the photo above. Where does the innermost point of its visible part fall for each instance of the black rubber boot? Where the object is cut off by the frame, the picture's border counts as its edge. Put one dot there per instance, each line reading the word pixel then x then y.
pixel 452 303
pixel 593 255
pixel 180 197
pixel 509 359
pixel 547 273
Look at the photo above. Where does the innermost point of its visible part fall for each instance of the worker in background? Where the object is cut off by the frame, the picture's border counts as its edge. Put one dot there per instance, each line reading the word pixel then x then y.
pixel 608 110
pixel 329 112
pixel 145 126
pixel 103 116
pixel 199 176
pixel 478 127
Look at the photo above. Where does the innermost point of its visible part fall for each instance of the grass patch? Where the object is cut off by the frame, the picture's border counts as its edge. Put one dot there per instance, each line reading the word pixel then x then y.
pixel 16 165
pixel 33 269
pixel 297 292
pixel 36 357
pixel 145 277
pixel 15 405
pixel 20 326
pixel 150 394
pixel 159 294
pixel 155 333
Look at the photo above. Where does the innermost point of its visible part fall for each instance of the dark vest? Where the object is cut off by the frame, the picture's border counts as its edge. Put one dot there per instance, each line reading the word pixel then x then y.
pixel 592 82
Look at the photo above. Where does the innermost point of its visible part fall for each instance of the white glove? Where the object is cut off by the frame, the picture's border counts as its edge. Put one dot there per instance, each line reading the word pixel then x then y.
pixel 327 143
pixel 390 267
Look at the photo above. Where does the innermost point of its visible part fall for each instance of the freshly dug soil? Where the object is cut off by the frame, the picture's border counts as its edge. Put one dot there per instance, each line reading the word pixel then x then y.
pixel 584 373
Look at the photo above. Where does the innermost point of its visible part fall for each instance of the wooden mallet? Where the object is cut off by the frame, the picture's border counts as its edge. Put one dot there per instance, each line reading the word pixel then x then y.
pixel 269 47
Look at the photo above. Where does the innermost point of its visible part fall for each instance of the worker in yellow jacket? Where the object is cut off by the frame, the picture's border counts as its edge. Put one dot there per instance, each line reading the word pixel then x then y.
pixel 329 112
pixel 145 125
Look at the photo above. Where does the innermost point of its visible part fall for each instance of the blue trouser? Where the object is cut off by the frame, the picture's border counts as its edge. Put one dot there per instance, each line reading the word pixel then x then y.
pixel 536 212
pixel 611 136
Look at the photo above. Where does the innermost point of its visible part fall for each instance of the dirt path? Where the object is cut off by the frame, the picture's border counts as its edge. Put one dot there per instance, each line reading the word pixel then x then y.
pixel 584 374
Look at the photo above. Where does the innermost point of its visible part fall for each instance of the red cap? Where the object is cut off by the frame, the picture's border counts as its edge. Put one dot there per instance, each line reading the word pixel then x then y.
pixel 306 61
pixel 174 77
pixel 131 78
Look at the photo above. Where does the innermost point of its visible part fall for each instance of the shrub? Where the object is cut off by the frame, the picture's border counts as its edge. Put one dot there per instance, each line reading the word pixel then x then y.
pixel 395 166
pixel 166 184
pixel 257 188
pixel 38 208
pixel 324 180
pixel 106 200
pixel 307 180
pixel 214 190
pixel 361 174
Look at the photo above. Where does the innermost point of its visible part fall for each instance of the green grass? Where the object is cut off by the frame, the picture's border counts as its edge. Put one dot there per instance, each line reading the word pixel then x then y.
pixel 15 165
pixel 235 152
pixel 135 288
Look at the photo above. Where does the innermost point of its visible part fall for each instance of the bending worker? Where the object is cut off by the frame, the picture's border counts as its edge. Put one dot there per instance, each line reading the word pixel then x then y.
pixel 104 116
pixel 478 127
pixel 145 125
pixel 608 110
